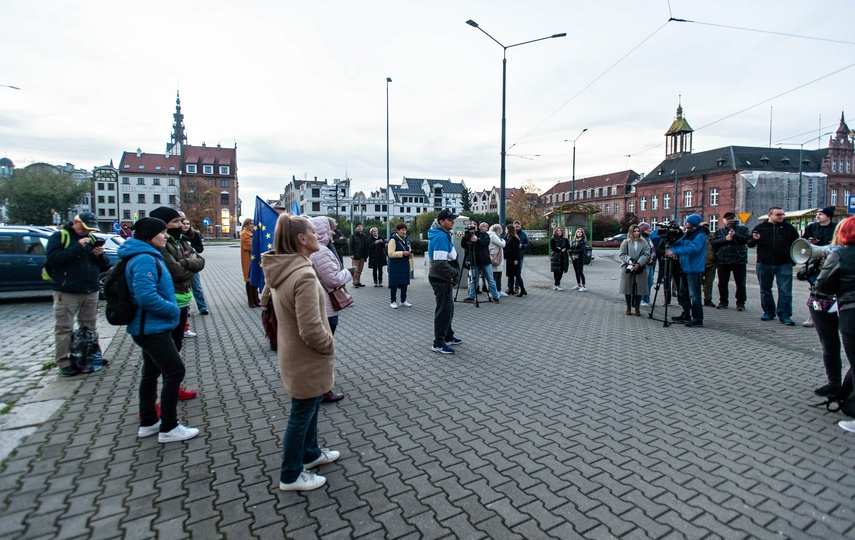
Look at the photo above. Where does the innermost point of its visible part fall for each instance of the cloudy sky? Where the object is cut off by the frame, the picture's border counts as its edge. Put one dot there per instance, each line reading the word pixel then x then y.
pixel 301 86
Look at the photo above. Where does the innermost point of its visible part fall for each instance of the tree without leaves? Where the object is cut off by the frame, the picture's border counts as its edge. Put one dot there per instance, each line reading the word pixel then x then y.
pixel 35 192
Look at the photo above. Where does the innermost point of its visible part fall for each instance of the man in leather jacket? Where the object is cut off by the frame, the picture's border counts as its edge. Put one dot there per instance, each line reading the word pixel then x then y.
pixel 731 253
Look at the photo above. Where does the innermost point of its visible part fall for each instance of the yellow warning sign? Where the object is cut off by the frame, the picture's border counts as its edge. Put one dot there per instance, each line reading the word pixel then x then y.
pixel 744 217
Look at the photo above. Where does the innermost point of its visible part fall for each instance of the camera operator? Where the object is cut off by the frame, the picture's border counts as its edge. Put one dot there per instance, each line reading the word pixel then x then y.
pixel 634 254
pixel 691 249
pixel 477 246
pixel 665 235
pixel 732 257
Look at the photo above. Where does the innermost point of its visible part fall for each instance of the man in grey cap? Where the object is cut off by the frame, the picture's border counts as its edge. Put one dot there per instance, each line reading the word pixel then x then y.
pixel 74 260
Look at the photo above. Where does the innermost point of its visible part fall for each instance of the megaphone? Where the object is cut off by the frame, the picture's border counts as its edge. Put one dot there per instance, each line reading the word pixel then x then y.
pixel 802 251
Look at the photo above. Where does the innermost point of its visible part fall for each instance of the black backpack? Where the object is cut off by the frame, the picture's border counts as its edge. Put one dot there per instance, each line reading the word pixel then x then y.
pixel 121 308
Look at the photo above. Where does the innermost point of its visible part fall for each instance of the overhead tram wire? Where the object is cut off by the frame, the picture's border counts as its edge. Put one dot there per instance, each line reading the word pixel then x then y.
pixel 785 34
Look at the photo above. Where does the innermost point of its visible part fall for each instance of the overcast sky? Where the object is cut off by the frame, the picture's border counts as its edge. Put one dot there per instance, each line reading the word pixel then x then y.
pixel 301 86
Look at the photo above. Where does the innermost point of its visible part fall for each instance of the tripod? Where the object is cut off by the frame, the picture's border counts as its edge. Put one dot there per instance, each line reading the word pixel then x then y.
pixel 666 275
pixel 469 264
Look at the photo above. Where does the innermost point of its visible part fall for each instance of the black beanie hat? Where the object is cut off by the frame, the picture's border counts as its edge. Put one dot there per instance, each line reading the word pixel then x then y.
pixel 828 211
pixel 147 228
pixel 164 213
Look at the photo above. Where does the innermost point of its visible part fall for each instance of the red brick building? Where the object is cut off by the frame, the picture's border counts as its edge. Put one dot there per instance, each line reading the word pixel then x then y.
pixel 611 192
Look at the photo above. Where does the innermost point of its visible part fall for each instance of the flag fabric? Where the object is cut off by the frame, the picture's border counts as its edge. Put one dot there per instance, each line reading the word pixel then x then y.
pixel 264 224
pixel 295 209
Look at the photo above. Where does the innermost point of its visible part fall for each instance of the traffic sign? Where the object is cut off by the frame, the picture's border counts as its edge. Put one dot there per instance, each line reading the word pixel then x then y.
pixel 744 217
pixel 850 204
pixel 206 222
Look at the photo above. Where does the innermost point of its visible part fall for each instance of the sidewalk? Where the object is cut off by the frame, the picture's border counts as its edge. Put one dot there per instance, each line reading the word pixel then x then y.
pixel 559 417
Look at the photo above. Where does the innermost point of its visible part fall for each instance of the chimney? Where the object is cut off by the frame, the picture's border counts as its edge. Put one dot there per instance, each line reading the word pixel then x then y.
pixel 218 147
pixel 168 154
pixel 139 152
pixel 203 145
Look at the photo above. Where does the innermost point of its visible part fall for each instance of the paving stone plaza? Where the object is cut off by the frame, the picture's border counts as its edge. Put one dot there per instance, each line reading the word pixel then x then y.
pixel 559 417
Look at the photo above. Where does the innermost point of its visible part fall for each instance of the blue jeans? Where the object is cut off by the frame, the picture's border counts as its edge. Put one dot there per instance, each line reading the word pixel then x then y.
pixel 783 273
pixel 487 272
pixel 300 441
pixel 691 297
pixel 198 295
pixel 160 358
pixel 650 277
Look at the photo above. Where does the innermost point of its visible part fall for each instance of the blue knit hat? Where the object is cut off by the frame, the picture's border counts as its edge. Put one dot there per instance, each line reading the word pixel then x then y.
pixel 694 220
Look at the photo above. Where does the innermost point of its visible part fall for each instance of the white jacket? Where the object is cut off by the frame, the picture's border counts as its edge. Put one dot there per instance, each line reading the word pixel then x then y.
pixel 325 262
pixel 497 245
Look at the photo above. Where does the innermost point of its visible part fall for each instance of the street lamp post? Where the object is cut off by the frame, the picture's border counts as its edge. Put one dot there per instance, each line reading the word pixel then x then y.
pixel 505 48
pixel 573 177
pixel 388 193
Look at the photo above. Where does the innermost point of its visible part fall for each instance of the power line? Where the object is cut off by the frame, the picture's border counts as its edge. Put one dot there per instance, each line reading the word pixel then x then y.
pixel 763 31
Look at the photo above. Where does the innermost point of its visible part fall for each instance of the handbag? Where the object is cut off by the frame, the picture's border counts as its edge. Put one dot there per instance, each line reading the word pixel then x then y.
pixel 340 298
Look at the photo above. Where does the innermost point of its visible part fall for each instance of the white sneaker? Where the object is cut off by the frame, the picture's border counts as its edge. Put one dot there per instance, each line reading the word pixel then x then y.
pixel 178 433
pixel 305 482
pixel 407 304
pixel 848 425
pixel 554 288
pixel 148 431
pixel 645 304
pixel 327 456
pixel 502 293
pixel 582 289
pixel 189 333
pixel 576 287
pixel 394 305
pixel 558 288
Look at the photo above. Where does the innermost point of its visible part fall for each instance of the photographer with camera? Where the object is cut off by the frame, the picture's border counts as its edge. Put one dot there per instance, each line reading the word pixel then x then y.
pixel 634 254
pixel 731 255
pixel 691 249
pixel 476 244
pixel 818 233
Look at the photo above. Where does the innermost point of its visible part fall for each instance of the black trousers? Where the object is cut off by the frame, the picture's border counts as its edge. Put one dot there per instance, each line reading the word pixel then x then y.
pixel 160 357
pixel 724 272
pixel 444 313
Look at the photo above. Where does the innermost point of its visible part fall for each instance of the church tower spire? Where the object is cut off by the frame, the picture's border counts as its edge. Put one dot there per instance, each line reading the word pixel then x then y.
pixel 178 138
pixel 678 138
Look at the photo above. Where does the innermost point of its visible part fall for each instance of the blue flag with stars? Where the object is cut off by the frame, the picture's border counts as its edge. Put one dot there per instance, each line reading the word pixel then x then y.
pixel 264 223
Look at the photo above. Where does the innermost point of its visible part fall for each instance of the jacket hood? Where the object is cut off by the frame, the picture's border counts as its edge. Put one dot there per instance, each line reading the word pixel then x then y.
pixel 277 268
pixel 436 230
pixel 322 229
pixel 134 246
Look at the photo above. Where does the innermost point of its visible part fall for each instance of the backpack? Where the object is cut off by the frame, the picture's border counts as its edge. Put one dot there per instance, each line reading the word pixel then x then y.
pixel 85 351
pixel 121 308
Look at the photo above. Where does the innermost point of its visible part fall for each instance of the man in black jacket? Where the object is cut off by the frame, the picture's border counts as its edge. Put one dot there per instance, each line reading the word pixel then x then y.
pixel 477 244
pixel 773 239
pixel 731 253
pixel 74 263
pixel 358 254
pixel 819 233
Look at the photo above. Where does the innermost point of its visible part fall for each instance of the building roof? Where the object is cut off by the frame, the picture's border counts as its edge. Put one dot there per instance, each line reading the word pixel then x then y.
pixel 447 185
pixel 210 155
pixel 735 158
pixel 611 179
pixel 680 124
pixel 149 163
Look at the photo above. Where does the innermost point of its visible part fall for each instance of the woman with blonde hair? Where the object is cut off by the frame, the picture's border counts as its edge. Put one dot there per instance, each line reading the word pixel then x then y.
pixel 634 254
pixel 246 260
pixel 306 363
pixel 578 248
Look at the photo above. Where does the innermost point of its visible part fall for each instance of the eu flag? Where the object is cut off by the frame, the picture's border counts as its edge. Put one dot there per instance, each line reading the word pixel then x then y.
pixel 264 223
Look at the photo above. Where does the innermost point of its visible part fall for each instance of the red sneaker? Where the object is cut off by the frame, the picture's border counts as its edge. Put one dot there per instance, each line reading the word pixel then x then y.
pixel 184 394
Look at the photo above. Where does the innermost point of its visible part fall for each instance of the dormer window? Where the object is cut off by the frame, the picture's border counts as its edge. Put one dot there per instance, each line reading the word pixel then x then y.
pixel 207 169
pixel 720 161
pixel 764 160
pixel 224 169
pixel 191 169
pixel 785 161
pixel 126 166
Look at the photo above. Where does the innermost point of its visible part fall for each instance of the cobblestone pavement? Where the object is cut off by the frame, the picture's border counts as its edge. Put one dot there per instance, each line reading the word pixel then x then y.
pixel 558 417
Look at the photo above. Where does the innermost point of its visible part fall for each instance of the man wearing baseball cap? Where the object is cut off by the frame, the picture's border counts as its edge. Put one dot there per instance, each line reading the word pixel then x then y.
pixel 74 263
pixel 732 258
pixel 443 275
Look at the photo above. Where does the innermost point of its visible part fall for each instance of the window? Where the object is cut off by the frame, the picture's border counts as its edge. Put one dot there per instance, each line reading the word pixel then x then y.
pixel 158 168
pixel 140 181
pixel 191 169
pixel 848 167
pixel 617 208
pixel 614 190
pixel 833 197
pixel 846 196
pixel 207 169
pixel 224 199
pixel 101 212
pixel 687 198
pixel 101 199
pixel 642 204
pixel 713 198
pixel 126 214
pixel 126 166
pixel 100 186
pixel 126 180
pixel 224 183
pixel 141 167
pixel 224 169
pixel 666 201
pixel 141 198
pixel 597 192
pixel 316 193
pixel 607 208
pixel 173 199
pixel 654 202
pixel 112 212
pixel 316 207
pixel 141 214
pixel 156 198
pixel 630 206
pixel 172 181
pixel 111 199
pixel 126 197
pixel 713 222
pixel 155 181
pixel 833 165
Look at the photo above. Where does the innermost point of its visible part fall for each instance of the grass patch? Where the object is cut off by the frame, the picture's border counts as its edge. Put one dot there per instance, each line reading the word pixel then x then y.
pixel 50 364
pixel 6 408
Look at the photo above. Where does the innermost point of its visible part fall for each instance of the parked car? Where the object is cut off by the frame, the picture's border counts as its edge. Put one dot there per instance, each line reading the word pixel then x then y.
pixel 22 257
pixel 616 238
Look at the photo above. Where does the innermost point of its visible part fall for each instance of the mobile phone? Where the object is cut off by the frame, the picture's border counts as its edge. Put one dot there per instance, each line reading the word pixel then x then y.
pixel 98 243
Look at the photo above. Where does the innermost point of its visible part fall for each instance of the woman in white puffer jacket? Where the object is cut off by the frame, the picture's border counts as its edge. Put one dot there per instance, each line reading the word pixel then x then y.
pixel 497 245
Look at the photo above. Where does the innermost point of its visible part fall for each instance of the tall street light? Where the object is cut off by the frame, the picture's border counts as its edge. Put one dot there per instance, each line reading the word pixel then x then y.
pixel 573 180
pixel 388 193
pixel 9 86
pixel 505 48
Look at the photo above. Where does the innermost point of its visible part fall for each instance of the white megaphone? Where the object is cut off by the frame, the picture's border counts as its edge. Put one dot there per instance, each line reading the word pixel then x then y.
pixel 802 251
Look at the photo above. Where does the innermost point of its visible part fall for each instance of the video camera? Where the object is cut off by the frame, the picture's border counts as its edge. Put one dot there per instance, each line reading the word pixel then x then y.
pixel 670 233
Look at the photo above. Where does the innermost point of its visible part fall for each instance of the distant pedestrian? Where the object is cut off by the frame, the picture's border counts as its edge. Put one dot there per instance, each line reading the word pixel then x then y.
pixel 376 249
pixel 357 245
pixel 126 232
pixel 578 251
pixel 559 258
pixel 634 254
pixel 252 299
pixel 497 256
pixel 74 259
pixel 513 262
pixel 731 253
pixel 443 274
pixel 521 234
pixel 306 363
pixel 773 239
pixel 158 314
pixel 400 253
pixel 338 241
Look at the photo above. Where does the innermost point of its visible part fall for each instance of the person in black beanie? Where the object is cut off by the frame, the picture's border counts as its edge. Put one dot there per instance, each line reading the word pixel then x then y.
pixel 182 263
pixel 819 233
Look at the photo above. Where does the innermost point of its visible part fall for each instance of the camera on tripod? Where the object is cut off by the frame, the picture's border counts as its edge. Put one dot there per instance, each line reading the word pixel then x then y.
pixel 673 232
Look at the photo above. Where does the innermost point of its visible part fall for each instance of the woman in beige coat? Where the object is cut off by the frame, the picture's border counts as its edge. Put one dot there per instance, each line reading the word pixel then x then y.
pixel 306 364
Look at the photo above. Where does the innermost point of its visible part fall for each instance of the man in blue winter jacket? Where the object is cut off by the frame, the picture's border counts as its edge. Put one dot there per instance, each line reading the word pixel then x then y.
pixel 691 249
pixel 443 274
